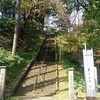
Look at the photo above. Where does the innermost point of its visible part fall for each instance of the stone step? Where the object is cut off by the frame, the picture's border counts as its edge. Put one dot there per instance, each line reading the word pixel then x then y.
pixel 36 98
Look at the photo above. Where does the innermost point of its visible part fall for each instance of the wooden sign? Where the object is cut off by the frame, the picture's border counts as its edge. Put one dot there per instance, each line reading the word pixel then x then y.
pixel 2 80
pixel 89 73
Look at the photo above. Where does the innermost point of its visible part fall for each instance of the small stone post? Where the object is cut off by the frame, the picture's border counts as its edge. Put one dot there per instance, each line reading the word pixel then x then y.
pixel 2 80
pixel 71 83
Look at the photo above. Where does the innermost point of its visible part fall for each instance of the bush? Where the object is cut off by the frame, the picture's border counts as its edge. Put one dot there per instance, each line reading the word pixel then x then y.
pixel 14 66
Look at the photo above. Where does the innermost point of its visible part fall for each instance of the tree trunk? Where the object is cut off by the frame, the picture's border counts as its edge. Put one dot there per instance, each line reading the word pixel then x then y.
pixel 16 27
pixel 42 26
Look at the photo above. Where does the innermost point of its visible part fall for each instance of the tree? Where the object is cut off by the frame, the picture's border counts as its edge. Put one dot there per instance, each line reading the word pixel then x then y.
pixel 15 39
pixel 92 23
pixel 7 9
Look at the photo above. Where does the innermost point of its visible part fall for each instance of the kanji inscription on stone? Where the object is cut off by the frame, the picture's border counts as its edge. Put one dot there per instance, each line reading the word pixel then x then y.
pixel 89 72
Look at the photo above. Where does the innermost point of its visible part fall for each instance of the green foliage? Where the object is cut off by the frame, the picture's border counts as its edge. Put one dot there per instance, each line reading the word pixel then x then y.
pixel 33 39
pixel 7 25
pixel 72 44
pixel 92 23
pixel 7 8
pixel 14 66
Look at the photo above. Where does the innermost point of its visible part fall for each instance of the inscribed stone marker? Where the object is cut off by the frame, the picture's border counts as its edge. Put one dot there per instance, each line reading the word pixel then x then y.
pixel 89 73
pixel 2 80
pixel 71 83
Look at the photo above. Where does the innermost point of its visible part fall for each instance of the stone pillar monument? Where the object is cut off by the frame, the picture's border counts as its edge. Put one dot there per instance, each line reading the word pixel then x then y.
pixel 89 74
pixel 2 80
